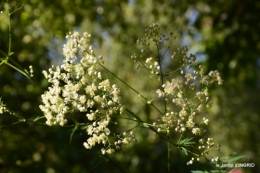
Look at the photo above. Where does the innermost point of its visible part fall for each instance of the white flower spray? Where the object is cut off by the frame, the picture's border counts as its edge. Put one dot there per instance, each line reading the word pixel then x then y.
pixel 185 95
pixel 77 86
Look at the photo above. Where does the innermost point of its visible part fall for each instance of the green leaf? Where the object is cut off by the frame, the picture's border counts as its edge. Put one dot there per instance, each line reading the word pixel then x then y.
pixel 235 158
pixel 84 126
pixel 184 151
pixel 233 154
pixel 73 131
pixel 39 117
pixel 186 142
pixel 230 158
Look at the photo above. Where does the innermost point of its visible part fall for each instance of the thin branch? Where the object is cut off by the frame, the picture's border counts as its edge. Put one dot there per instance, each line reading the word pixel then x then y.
pixel 139 94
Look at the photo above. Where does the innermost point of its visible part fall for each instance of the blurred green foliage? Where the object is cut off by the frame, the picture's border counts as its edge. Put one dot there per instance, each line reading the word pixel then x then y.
pixel 229 32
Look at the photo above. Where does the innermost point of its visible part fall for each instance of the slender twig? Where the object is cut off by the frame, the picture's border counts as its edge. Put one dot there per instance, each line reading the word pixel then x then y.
pixel 9 28
pixel 139 94
pixel 6 125
pixel 151 128
pixel 3 54
pixel 159 59
pixel 17 69
pixel 9 53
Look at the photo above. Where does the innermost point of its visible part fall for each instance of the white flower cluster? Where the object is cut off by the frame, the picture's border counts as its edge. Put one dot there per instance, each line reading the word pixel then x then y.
pixel 77 86
pixel 187 95
pixel 150 63
pixel 125 139
pixel 190 97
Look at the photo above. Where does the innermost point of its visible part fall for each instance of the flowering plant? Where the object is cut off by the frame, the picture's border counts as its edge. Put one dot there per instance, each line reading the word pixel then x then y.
pixel 77 86
pixel 78 89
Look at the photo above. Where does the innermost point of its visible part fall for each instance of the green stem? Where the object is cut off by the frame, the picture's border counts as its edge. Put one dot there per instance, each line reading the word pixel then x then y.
pixel 151 128
pixel 165 108
pixel 16 115
pixel 3 62
pixel 3 54
pixel 39 117
pixel 164 137
pixel 180 137
pixel 10 36
pixel 8 55
pixel 169 151
pixel 20 121
pixel 130 88
pixel 17 69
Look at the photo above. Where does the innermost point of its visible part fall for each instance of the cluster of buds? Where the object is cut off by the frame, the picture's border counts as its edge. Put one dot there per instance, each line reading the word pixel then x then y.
pixel 151 42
